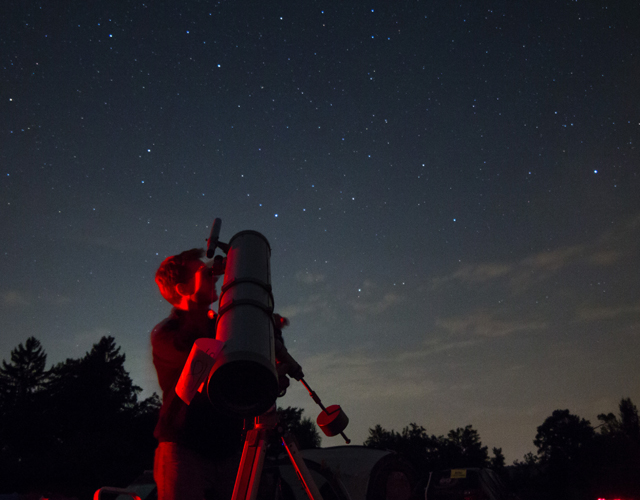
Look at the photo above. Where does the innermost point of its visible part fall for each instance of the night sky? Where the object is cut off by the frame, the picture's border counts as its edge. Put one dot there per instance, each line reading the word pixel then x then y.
pixel 450 192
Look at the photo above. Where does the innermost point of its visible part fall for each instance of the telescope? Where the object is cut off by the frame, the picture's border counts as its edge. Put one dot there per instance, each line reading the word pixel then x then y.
pixel 238 368
pixel 244 380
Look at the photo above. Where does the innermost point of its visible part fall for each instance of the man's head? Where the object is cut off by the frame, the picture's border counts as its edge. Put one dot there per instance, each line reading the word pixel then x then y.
pixel 184 280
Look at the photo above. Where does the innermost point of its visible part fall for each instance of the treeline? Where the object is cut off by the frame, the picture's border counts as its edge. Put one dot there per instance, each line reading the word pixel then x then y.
pixel 73 427
pixel 575 460
pixel 80 425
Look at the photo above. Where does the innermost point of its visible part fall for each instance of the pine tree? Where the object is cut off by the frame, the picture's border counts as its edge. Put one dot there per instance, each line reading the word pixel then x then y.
pixel 74 427
pixel 24 376
pixel 22 435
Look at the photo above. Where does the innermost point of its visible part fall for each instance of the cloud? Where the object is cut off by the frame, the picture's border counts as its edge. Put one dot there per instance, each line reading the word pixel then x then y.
pixel 14 298
pixel 622 234
pixel 376 306
pixel 479 273
pixel 314 296
pixel 553 260
pixel 607 250
pixel 308 304
pixel 365 376
pixel 437 346
pixel 319 298
pixel 60 300
pixel 400 378
pixel 117 243
pixel 605 257
pixel 519 275
pixel 589 313
pixel 55 299
pixel 373 300
pixel 484 324
pixel 309 278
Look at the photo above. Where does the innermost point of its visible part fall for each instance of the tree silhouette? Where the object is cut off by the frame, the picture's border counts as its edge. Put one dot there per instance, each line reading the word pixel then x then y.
pixel 460 448
pixel 80 425
pixel 96 384
pixel 563 437
pixel 75 427
pixel 22 433
pixel 497 462
pixel 96 420
pixel 565 446
pixel 628 424
pixel 21 379
pixel 618 452
pixel 576 462
pixel 466 449
pixel 302 428
pixel 383 439
pixel 412 443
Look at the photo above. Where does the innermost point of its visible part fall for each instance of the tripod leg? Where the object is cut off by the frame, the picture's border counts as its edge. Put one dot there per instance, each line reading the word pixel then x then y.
pixel 302 471
pixel 250 470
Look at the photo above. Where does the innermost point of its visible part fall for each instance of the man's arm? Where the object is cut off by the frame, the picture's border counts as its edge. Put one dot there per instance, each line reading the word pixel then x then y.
pixel 285 364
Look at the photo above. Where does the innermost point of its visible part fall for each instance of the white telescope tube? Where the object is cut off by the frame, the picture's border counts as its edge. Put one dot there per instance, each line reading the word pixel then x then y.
pixel 243 380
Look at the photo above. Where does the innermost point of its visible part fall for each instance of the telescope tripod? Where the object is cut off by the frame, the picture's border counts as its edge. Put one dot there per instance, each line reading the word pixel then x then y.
pixel 252 461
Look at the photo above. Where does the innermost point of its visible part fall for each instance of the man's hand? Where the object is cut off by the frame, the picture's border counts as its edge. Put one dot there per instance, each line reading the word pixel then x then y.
pixel 285 362
pixel 283 380
pixel 219 265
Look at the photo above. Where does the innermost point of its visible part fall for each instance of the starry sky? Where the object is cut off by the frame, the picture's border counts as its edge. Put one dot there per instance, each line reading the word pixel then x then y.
pixel 450 192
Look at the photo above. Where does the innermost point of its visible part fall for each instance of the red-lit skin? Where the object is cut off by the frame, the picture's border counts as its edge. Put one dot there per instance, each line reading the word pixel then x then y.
pixel 200 292
pixel 197 295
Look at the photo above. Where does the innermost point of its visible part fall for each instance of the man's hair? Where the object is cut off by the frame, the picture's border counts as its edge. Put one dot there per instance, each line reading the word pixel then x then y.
pixel 174 270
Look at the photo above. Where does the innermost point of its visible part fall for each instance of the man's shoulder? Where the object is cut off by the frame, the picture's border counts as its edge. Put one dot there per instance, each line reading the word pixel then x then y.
pixel 169 325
